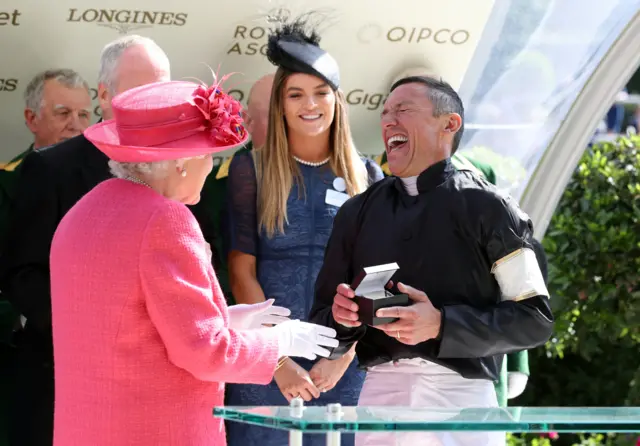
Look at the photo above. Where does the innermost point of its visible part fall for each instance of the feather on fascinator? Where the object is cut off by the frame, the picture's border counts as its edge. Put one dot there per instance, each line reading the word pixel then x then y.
pixel 294 45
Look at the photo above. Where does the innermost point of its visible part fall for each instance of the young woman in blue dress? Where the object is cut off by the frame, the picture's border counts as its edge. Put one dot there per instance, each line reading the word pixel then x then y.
pixel 281 202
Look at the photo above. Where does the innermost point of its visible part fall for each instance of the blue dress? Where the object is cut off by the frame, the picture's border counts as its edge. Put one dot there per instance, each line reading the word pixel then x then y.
pixel 287 267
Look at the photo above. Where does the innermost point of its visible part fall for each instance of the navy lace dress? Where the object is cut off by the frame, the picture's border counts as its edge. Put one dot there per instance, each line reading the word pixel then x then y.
pixel 287 267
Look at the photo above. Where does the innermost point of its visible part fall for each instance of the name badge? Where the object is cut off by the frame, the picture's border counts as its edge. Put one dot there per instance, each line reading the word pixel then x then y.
pixel 335 198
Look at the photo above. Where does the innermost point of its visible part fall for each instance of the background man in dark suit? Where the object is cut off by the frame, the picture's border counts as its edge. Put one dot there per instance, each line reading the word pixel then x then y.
pixel 51 182
pixel 57 107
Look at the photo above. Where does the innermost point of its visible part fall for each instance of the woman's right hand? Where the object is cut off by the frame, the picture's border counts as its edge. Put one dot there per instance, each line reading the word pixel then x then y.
pixel 296 338
pixel 294 381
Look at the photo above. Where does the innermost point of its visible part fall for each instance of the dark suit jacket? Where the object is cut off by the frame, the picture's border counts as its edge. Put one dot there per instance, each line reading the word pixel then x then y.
pixel 9 174
pixel 52 180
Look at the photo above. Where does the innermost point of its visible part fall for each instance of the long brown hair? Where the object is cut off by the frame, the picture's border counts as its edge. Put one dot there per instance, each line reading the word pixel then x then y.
pixel 276 170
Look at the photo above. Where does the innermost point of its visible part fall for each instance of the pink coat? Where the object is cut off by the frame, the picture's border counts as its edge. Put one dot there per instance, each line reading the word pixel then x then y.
pixel 142 347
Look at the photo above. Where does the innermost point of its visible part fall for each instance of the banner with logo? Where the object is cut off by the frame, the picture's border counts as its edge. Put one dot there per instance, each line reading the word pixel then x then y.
pixel 372 40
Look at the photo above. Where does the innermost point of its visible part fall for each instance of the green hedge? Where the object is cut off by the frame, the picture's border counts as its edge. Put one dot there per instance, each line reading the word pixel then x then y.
pixel 593 246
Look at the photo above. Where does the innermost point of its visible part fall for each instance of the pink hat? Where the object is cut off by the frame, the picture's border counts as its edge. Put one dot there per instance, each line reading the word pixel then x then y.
pixel 167 121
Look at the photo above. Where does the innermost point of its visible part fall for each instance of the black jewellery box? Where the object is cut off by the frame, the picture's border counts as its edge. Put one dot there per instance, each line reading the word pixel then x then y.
pixel 371 294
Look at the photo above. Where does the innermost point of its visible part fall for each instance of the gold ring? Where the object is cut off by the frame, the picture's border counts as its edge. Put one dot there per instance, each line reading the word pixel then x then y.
pixel 398 334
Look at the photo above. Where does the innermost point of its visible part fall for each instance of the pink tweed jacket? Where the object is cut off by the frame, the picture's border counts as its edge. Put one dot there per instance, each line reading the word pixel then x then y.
pixel 142 347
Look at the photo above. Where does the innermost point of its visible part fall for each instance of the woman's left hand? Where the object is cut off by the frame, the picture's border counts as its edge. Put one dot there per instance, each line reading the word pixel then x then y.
pixel 247 317
pixel 326 373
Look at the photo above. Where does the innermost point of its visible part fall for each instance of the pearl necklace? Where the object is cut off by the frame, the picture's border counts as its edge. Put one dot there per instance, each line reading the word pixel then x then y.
pixel 138 181
pixel 309 163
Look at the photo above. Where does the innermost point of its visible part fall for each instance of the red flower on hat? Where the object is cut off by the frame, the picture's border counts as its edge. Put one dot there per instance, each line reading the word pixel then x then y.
pixel 222 112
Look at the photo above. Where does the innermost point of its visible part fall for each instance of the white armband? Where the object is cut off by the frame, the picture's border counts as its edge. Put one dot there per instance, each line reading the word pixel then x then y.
pixel 519 276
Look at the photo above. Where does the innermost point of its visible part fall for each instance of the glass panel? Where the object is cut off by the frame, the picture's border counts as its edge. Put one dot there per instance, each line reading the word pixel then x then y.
pixel 512 419
pixel 533 59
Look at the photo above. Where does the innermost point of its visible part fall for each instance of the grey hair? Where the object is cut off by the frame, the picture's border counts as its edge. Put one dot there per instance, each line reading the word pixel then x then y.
pixel 33 94
pixel 156 170
pixel 113 51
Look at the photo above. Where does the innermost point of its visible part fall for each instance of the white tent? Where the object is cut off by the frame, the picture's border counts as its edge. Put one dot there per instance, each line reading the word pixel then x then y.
pixel 536 75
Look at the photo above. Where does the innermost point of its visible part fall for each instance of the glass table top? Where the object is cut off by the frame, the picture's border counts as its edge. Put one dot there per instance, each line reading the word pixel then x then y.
pixel 512 419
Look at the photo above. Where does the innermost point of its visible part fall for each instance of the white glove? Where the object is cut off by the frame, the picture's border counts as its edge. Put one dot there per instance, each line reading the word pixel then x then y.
pixel 247 317
pixel 516 383
pixel 296 338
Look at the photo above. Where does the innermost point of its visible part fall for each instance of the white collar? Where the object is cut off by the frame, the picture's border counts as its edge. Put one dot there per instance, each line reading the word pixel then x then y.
pixel 410 185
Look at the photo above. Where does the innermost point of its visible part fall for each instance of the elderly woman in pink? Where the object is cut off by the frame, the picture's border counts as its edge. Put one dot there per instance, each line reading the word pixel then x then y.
pixel 143 339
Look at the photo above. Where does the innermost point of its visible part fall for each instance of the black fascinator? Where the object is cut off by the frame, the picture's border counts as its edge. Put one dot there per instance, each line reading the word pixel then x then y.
pixel 294 45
